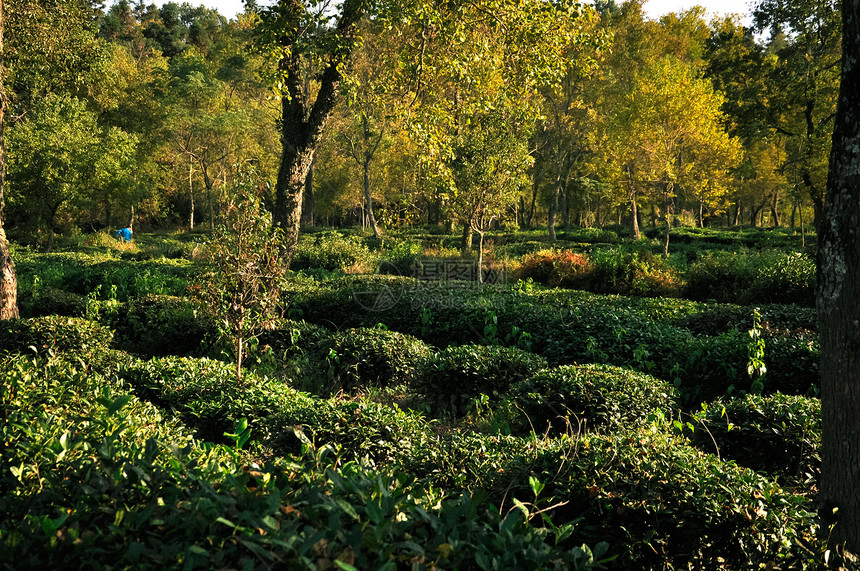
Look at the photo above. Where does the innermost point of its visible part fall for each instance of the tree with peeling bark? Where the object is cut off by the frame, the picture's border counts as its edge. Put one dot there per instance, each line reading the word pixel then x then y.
pixel 838 302
pixel 8 279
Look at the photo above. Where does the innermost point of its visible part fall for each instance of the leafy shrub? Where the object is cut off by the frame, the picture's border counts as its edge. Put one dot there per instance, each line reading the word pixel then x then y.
pixel 633 273
pixel 101 274
pixel 72 336
pixel 458 374
pixel 107 481
pixel 51 301
pixel 293 338
pixel 557 268
pixel 599 397
pixel 762 277
pixel 778 434
pixel 204 395
pixel 401 258
pixel 159 325
pixel 361 358
pixel 716 366
pixel 784 278
pixel 331 251
pixel 663 504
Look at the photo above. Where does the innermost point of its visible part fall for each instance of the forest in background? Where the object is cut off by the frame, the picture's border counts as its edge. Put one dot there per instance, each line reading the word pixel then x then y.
pixel 155 110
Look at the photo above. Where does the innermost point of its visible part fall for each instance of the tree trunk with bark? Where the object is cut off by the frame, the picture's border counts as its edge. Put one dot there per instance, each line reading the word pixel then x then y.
pixel 838 304
pixel 631 195
pixel 8 279
pixel 466 243
pixel 302 121
pixel 307 220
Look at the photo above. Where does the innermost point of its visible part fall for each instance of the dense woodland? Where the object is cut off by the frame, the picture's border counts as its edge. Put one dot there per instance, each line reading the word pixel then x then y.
pixel 683 120
pixel 414 284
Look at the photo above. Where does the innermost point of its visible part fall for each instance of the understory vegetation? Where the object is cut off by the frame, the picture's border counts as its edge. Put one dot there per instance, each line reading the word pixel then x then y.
pixel 593 408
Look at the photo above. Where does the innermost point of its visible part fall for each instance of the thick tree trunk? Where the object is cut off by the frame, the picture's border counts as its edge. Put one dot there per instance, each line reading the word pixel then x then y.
pixel 838 303
pixel 8 279
pixel 307 220
pixel 466 243
pixel 302 124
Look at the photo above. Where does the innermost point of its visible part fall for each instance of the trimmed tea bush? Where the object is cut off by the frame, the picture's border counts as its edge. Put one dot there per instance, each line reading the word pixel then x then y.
pixel 293 338
pixel 663 504
pixel 453 377
pixel 761 277
pixel 639 273
pixel 362 358
pixel 600 397
pixel 778 434
pixel 161 325
pixel 51 301
pixel 71 336
pixel 205 395
pixel 331 251
pixel 106 481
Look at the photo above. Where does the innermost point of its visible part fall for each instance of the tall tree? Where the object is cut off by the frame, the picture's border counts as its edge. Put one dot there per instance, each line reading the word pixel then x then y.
pixel 802 79
pixel 305 37
pixel 838 301
pixel 677 135
pixel 8 279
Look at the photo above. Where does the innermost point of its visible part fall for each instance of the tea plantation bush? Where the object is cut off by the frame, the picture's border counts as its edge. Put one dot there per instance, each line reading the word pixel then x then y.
pixel 597 397
pixel 331 251
pixel 293 338
pixel 603 271
pixel 777 434
pixel 577 327
pixel 456 375
pixel 48 300
pixel 666 505
pixel 362 358
pixel 205 395
pixel 106 481
pixel 51 335
pixel 761 277
pixel 157 326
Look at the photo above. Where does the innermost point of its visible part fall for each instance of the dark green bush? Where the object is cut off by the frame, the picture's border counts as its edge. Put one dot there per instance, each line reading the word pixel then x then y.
pixel 778 434
pixel 293 338
pixel 72 337
pixel 205 395
pixel 760 277
pixel 649 335
pixel 663 504
pixel 400 259
pixel 600 397
pixel 332 251
pixel 51 301
pixel 161 325
pixel 106 481
pixel 717 365
pixel 362 358
pixel 456 375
